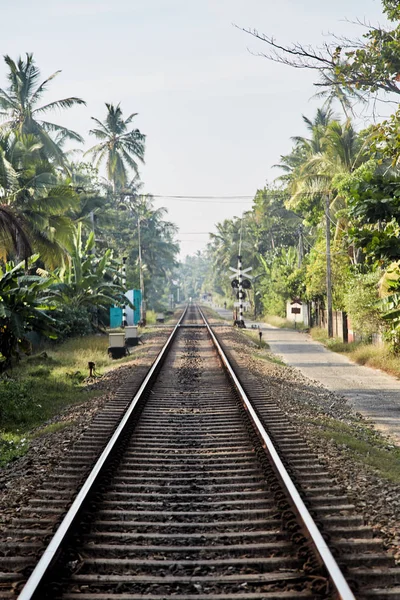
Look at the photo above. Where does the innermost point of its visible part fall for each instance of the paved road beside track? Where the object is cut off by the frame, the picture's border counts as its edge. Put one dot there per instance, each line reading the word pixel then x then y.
pixel 371 392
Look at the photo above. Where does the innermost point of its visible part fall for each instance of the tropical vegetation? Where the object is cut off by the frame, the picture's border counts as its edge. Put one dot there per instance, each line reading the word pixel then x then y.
pixel 335 204
pixel 65 226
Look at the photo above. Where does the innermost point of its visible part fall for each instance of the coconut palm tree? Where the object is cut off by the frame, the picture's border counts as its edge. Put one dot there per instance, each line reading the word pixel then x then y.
pixel 43 202
pixel 332 149
pixel 334 90
pixel 120 147
pixel 21 113
pixel 338 154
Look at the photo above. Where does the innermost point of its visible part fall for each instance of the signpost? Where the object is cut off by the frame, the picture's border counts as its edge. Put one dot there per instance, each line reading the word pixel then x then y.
pixel 296 309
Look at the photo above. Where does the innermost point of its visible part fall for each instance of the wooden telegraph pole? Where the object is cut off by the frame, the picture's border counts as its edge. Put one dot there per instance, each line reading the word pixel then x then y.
pixel 328 268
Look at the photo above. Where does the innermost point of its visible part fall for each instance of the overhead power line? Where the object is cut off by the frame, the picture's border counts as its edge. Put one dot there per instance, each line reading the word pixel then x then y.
pixel 204 197
pixel 202 201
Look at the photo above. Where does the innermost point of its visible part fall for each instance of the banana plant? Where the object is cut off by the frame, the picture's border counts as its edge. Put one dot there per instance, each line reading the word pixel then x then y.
pixel 88 281
pixel 25 305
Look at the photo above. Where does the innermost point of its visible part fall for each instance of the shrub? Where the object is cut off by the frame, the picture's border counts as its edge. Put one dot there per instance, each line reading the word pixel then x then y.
pixel 73 322
pixel 12 447
pixel 362 303
pixel 16 404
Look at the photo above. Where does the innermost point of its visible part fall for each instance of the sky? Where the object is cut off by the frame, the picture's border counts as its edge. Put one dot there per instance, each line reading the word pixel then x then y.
pixel 217 117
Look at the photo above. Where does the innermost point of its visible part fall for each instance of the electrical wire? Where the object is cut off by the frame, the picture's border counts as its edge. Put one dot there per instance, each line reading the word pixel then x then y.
pixel 204 197
pixel 200 201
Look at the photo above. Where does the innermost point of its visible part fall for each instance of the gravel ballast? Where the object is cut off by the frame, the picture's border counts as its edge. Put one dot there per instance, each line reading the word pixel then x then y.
pixel 303 400
pixel 20 478
pixel 307 405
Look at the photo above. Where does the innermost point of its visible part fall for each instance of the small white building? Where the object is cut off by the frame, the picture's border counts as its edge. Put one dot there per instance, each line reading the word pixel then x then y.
pixel 297 312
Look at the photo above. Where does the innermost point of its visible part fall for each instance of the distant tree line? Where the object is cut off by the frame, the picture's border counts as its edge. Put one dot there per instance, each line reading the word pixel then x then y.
pixel 337 172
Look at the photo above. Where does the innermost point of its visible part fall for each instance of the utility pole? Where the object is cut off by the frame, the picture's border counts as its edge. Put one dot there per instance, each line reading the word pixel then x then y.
pixel 301 246
pixel 124 319
pixel 141 280
pixel 240 278
pixel 328 268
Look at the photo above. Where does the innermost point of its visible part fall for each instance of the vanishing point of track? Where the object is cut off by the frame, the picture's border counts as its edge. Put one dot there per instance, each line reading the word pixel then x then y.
pixel 189 500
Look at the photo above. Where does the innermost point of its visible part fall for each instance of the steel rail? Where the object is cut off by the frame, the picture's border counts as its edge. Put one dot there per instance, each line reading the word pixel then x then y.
pixel 34 584
pixel 336 576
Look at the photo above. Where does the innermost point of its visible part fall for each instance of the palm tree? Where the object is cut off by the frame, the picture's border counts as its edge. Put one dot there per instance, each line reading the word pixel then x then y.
pixel 332 149
pixel 334 90
pixel 158 247
pixel 119 146
pixel 44 203
pixel 340 151
pixel 338 154
pixel 292 164
pixel 20 111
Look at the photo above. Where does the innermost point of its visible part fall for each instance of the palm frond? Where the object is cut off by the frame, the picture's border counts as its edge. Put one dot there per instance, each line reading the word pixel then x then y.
pixel 67 133
pixel 6 101
pixel 43 86
pixel 101 125
pixel 64 103
pixel 95 150
pixel 13 236
pixel 129 119
pixel 100 134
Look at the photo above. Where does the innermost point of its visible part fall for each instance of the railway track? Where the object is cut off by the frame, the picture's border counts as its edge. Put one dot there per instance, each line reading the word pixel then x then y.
pixel 193 499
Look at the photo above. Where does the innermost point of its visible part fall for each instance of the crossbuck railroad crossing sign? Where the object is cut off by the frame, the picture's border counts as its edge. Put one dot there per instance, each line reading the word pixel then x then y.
pixel 244 273
pixel 240 274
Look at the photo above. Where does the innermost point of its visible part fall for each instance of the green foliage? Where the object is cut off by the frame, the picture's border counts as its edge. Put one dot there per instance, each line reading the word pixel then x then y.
pixel 117 146
pixel 87 283
pixel 361 301
pixel 273 225
pixel 344 66
pixel 12 446
pixel 263 233
pixel 315 277
pixel 16 407
pixel 41 372
pixel 21 113
pixel 390 304
pixel 37 198
pixel 276 287
pixel 157 241
pixel 332 149
pixel 373 196
pixel 23 308
pixel 13 237
pixel 26 403
pixel 73 321
pixel 296 286
pixel 193 273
